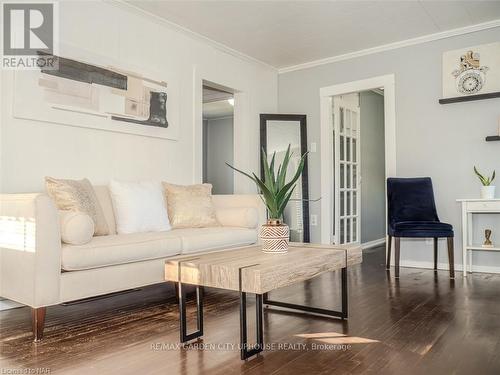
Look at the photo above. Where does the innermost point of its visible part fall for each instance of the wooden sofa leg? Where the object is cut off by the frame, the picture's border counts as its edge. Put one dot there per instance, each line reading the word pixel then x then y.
pixel 435 253
pixel 397 246
pixel 38 322
pixel 451 258
pixel 389 245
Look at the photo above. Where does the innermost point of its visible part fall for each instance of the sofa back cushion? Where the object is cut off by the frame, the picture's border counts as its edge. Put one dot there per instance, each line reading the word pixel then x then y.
pixel 104 198
pixel 220 202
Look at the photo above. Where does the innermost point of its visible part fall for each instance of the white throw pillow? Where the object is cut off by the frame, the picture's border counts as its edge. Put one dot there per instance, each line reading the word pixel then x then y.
pixel 77 228
pixel 139 207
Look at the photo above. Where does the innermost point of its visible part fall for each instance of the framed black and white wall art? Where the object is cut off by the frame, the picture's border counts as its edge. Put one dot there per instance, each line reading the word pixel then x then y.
pixel 93 92
pixel 471 71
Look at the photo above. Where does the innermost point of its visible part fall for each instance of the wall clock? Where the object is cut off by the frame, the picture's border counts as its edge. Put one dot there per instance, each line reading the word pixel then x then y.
pixel 471 73
pixel 470 77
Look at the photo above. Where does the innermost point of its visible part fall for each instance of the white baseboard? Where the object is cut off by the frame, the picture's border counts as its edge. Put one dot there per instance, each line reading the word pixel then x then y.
pixel 430 265
pixel 444 266
pixel 374 243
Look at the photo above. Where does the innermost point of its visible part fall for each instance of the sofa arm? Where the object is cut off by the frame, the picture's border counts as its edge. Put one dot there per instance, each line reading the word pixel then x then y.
pixel 242 201
pixel 30 249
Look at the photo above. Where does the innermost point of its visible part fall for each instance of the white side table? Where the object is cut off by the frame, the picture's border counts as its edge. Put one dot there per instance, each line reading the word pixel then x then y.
pixel 470 207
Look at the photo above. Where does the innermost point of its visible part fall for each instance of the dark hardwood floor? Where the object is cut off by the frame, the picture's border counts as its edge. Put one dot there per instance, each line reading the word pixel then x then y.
pixel 422 324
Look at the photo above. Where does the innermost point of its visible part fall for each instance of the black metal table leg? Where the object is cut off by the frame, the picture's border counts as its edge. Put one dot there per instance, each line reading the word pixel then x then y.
pixel 344 293
pixel 333 313
pixel 184 336
pixel 246 350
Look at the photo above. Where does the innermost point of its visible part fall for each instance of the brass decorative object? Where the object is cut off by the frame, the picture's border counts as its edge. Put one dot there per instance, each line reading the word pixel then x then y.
pixel 487 241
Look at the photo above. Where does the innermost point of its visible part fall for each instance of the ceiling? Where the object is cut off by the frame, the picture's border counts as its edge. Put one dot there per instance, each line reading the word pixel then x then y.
pixel 215 110
pixel 216 104
pixel 287 33
pixel 214 95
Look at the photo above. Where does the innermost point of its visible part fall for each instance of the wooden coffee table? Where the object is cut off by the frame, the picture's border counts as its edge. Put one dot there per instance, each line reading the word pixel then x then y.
pixel 249 270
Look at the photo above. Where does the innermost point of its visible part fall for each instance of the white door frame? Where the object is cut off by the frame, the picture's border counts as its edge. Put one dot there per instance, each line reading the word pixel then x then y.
pixel 327 160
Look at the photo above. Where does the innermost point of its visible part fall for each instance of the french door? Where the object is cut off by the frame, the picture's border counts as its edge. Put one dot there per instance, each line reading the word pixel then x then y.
pixel 347 178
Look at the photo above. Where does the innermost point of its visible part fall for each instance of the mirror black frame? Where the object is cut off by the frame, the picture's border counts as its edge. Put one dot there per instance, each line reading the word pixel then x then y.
pixel 264 118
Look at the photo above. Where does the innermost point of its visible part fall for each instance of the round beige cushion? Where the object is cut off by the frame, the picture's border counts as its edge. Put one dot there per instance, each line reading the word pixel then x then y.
pixel 77 228
pixel 244 217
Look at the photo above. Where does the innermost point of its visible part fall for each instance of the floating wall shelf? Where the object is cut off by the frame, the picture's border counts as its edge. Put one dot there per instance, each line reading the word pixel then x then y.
pixel 459 99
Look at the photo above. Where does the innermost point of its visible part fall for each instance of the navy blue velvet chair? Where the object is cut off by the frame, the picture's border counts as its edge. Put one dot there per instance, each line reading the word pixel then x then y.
pixel 412 214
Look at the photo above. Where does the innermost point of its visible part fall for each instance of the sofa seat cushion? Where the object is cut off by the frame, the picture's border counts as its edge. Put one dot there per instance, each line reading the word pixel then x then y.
pixel 111 250
pixel 214 238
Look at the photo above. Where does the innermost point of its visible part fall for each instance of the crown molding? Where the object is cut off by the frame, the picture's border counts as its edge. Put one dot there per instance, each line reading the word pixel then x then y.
pixel 189 33
pixel 395 45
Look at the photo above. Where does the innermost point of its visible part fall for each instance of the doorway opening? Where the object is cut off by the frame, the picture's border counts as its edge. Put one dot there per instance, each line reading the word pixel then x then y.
pixel 358 153
pixel 359 167
pixel 218 137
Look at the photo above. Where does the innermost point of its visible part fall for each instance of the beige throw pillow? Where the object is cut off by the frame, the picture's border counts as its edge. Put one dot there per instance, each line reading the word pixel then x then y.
pixel 78 196
pixel 190 206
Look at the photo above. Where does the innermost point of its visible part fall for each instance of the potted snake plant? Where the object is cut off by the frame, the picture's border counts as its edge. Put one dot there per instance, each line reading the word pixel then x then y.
pixel 276 191
pixel 487 189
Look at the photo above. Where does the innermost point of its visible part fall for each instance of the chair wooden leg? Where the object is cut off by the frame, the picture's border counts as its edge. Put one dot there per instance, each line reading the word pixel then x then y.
pixel 397 246
pixel 38 322
pixel 389 245
pixel 435 253
pixel 451 258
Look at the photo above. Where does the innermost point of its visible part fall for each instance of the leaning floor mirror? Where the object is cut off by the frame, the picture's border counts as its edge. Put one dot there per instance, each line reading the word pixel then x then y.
pixel 277 131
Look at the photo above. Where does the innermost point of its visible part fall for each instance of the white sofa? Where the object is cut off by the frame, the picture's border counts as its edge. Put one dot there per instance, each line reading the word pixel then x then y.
pixel 38 270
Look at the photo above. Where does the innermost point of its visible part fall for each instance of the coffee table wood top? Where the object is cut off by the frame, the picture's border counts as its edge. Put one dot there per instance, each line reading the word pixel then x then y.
pixel 260 272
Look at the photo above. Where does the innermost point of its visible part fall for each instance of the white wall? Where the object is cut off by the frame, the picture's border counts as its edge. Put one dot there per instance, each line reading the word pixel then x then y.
pixel 440 141
pixel 31 150
pixel 219 151
pixel 372 166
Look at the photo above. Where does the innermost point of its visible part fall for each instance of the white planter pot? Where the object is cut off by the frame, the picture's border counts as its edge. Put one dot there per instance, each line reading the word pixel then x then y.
pixel 487 192
pixel 274 237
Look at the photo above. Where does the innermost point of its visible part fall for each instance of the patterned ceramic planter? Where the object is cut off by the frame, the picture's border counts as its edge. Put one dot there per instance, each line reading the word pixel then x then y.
pixel 274 237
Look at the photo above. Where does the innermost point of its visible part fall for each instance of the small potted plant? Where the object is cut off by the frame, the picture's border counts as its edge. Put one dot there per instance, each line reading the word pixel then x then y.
pixel 276 193
pixel 487 190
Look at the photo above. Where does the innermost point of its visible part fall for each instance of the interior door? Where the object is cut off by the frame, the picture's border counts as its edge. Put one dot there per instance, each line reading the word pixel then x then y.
pixel 347 178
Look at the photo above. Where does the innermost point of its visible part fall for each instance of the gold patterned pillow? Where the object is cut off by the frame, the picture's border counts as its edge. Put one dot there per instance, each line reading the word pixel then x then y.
pixel 78 196
pixel 190 206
